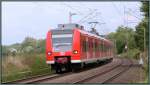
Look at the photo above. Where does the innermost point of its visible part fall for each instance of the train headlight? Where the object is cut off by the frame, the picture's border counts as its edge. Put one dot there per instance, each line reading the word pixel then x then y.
pixel 49 53
pixel 75 51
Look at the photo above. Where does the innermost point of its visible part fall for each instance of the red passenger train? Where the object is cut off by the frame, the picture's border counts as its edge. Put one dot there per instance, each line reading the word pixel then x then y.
pixel 71 47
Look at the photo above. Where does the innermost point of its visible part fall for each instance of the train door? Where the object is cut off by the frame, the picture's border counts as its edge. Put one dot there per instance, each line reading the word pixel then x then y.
pixel 83 47
pixel 93 48
pixel 87 48
pixel 90 47
pixel 100 49
pixel 103 51
pixel 97 49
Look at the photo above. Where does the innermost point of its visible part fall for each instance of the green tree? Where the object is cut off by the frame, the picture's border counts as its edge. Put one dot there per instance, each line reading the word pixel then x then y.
pixel 143 25
pixel 40 46
pixel 139 36
pixel 123 36
pixel 145 10
pixel 28 44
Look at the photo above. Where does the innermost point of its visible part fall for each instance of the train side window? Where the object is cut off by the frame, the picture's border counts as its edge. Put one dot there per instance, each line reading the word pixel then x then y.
pixel 104 48
pixel 87 46
pixel 84 46
pixel 95 46
pixel 99 47
pixel 92 46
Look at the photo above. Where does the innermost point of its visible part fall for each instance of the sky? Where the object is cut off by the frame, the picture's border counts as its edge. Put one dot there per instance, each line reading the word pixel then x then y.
pixel 34 19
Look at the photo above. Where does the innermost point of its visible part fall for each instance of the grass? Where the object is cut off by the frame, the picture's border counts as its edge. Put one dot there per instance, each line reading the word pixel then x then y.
pixel 27 74
pixel 24 66
pixel 146 80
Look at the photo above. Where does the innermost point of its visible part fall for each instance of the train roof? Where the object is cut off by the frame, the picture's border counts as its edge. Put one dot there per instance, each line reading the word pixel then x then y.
pixel 91 34
pixel 69 27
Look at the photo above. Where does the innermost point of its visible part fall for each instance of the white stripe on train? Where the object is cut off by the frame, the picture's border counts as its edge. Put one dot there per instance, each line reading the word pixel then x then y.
pixel 85 60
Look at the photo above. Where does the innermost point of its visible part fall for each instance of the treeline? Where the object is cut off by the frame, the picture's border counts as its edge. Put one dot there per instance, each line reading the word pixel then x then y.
pixel 29 45
pixel 126 38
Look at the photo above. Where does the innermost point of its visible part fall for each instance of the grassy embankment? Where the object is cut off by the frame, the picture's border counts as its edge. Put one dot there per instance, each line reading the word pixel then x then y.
pixel 24 66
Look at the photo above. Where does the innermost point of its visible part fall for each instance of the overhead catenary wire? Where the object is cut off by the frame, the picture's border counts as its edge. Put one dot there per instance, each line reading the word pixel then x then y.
pixel 124 13
pixel 90 18
pixel 84 19
pixel 104 22
pixel 132 14
pixel 87 15
pixel 72 8
pixel 116 8
pixel 69 6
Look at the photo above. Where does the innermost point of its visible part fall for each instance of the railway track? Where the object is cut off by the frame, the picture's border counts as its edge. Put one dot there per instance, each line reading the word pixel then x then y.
pixel 38 78
pixel 124 65
pixel 55 76
pixel 110 78
pixel 118 74
pixel 71 78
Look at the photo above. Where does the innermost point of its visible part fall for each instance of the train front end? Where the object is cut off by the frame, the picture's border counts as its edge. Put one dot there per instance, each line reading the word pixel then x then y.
pixel 60 52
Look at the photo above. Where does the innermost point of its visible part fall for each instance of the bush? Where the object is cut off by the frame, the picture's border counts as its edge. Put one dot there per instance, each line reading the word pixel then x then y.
pixel 29 65
pixel 131 53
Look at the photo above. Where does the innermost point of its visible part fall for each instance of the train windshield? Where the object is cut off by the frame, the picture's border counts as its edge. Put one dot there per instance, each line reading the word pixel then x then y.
pixel 62 42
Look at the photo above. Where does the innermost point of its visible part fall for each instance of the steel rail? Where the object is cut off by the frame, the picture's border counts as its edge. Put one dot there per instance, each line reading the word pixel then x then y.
pixel 118 74
pixel 101 73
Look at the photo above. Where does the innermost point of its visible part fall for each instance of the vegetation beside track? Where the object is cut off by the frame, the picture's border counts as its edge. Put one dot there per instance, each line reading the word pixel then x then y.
pixel 27 61
pixel 24 66
pixel 134 44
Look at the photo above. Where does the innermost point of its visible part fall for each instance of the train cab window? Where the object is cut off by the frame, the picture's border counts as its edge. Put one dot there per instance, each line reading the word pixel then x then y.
pixel 62 42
